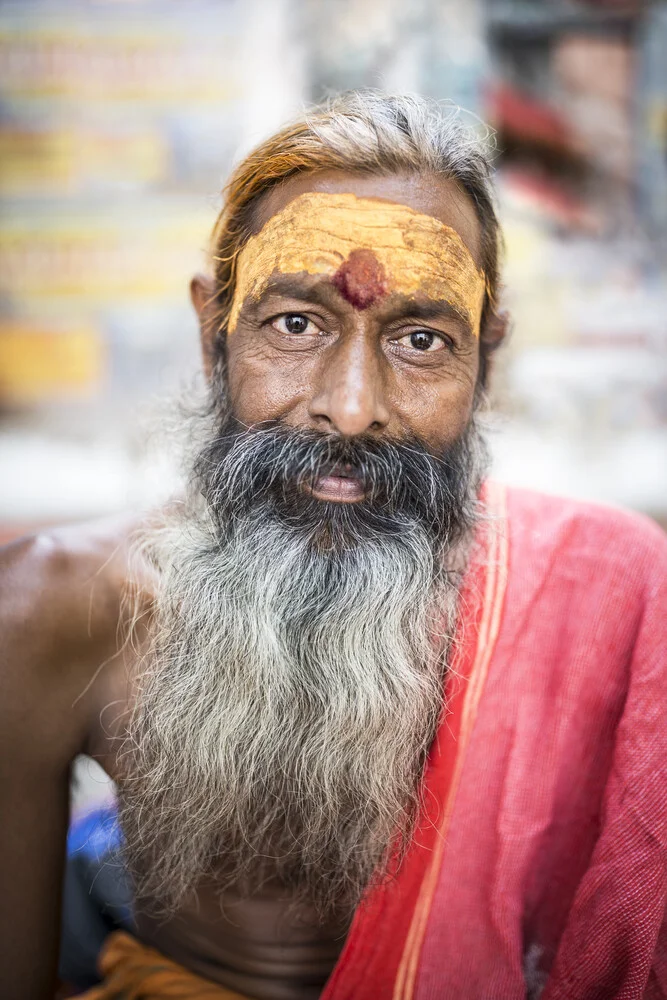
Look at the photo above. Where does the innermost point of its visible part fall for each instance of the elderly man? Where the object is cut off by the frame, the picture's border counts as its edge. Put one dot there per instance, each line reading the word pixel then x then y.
pixel 380 728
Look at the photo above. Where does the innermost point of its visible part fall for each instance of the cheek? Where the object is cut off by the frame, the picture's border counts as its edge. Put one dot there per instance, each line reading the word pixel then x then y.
pixel 438 412
pixel 259 388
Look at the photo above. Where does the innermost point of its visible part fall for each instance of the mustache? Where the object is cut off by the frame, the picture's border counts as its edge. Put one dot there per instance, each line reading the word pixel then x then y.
pixel 274 464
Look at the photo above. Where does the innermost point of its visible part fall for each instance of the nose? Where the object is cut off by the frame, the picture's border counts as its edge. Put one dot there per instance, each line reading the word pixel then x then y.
pixel 350 395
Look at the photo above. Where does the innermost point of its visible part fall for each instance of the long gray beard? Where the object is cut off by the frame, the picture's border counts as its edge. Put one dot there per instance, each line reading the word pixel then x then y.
pixel 284 709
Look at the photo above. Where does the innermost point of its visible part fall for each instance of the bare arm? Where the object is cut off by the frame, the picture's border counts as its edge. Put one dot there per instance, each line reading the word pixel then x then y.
pixel 59 607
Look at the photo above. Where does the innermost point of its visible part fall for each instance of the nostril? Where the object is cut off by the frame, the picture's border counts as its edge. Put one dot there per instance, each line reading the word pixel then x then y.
pixel 323 420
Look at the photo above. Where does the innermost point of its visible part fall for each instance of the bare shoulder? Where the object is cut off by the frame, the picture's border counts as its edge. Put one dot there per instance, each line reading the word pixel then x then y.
pixel 61 594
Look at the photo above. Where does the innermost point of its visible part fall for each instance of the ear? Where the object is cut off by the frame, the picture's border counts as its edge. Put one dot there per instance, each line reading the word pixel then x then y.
pixel 202 294
pixel 495 330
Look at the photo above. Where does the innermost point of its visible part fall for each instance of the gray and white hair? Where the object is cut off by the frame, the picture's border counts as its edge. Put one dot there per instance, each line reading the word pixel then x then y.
pixel 291 689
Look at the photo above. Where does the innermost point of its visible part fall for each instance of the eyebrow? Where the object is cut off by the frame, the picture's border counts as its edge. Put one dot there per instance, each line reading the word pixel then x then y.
pixel 304 289
pixel 324 293
pixel 434 309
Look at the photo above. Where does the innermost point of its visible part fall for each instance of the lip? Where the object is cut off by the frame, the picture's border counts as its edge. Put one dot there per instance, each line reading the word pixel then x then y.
pixel 339 489
pixel 339 485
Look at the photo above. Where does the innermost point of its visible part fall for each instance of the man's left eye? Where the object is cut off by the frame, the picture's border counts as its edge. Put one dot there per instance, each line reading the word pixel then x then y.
pixel 422 340
pixel 294 323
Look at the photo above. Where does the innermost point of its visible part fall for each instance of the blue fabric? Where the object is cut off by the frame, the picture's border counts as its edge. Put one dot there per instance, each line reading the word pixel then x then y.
pixel 97 896
pixel 95 835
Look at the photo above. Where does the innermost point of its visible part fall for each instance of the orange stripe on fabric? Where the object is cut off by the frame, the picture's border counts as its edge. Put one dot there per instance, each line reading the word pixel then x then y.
pixel 494 593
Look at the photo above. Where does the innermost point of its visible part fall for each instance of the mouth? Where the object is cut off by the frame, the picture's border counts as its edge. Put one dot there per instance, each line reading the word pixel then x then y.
pixel 342 484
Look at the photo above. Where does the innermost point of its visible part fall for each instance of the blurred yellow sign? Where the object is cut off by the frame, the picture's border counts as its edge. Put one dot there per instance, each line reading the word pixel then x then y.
pixel 69 160
pixel 38 364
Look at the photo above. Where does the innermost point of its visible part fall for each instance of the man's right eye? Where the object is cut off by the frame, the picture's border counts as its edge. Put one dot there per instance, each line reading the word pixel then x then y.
pixel 294 323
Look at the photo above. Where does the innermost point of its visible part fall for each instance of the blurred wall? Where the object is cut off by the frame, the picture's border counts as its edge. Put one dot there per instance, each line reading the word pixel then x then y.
pixel 119 121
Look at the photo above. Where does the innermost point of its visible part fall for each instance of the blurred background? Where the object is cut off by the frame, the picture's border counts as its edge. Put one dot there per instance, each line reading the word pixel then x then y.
pixel 119 122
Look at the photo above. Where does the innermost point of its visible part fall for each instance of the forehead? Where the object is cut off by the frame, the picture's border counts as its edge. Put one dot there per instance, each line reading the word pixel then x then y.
pixel 439 197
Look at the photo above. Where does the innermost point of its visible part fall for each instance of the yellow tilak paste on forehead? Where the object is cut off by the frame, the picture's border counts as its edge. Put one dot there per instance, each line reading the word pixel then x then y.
pixel 317 232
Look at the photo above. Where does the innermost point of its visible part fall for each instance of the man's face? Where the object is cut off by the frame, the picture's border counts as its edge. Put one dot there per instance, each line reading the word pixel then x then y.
pixel 352 353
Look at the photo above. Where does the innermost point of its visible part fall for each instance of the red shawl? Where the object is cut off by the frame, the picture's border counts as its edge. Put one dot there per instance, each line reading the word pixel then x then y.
pixel 540 865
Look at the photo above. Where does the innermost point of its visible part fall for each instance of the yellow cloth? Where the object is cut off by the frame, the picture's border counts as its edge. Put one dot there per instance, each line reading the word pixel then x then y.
pixel 133 971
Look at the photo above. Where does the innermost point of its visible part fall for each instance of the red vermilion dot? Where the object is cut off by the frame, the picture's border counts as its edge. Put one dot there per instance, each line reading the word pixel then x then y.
pixel 361 279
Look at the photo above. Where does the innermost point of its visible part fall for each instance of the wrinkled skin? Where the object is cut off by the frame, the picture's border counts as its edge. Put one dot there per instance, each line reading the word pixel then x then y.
pixel 64 683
